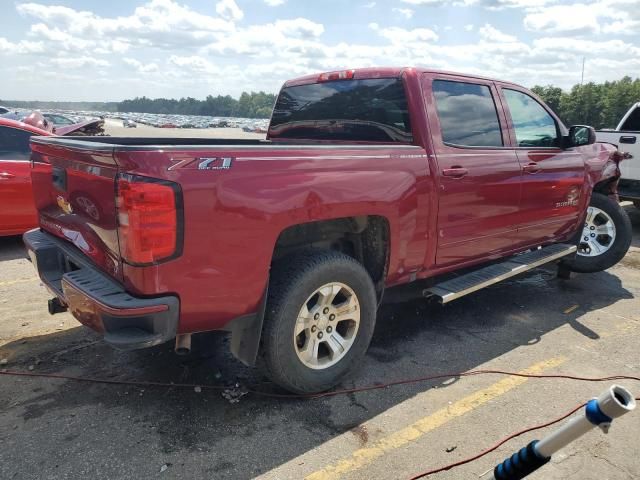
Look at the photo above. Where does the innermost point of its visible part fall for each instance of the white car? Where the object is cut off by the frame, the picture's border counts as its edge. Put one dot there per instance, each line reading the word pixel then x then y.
pixel 627 137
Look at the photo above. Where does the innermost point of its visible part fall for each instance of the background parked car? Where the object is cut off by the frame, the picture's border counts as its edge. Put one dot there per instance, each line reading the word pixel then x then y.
pixel 58 119
pixel 18 213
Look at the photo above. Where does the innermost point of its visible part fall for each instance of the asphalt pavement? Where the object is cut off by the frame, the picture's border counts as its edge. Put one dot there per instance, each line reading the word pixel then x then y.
pixel 64 429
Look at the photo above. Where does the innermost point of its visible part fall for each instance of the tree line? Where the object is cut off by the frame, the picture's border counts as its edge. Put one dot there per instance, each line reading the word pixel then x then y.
pixel 53 105
pixel 249 105
pixel 601 105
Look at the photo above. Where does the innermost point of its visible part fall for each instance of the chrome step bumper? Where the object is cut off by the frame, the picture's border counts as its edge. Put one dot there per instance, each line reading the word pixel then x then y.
pixel 460 286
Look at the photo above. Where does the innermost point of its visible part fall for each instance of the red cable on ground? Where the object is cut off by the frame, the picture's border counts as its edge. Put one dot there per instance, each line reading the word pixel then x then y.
pixel 365 388
pixel 499 444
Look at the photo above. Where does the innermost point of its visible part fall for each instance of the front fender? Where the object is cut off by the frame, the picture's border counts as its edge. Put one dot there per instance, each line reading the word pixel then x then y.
pixel 603 170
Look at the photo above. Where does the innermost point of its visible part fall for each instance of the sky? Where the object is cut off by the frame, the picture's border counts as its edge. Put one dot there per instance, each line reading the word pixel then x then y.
pixel 96 50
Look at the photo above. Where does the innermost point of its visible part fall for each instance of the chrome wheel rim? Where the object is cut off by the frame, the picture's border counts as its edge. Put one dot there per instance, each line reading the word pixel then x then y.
pixel 327 326
pixel 598 234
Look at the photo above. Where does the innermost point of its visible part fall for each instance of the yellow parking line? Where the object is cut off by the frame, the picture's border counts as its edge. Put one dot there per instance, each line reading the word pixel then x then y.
pixel 22 280
pixel 413 432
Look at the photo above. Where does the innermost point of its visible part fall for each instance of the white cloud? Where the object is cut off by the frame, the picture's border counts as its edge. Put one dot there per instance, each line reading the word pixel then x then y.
pixel 160 23
pixel 398 35
pixel 229 10
pixel 274 3
pixel 22 47
pixel 490 33
pixel 79 62
pixel 522 4
pixel 369 5
pixel 194 63
pixel 406 12
pixel 299 27
pixel 423 2
pixel 197 52
pixel 141 67
pixel 604 16
pixel 577 18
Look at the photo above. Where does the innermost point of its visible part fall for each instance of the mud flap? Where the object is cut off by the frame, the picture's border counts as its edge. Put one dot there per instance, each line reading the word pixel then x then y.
pixel 246 332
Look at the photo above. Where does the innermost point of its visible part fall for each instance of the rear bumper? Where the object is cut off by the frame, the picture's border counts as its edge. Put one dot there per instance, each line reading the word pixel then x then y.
pixel 96 300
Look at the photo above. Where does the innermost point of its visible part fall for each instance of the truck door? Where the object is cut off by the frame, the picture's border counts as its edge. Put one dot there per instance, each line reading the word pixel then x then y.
pixel 552 177
pixel 628 140
pixel 479 174
pixel 17 210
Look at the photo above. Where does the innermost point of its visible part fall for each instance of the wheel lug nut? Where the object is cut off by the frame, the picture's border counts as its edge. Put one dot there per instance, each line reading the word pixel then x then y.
pixel 586 239
pixel 329 329
pixel 332 317
pixel 314 328
pixel 316 316
pixel 592 228
pixel 325 311
pixel 319 334
pixel 593 234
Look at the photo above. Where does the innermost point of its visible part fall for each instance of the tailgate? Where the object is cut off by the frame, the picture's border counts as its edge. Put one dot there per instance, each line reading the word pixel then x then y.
pixel 75 190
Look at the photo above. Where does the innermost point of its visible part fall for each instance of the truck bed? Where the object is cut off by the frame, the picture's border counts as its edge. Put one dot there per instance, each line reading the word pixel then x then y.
pixel 138 143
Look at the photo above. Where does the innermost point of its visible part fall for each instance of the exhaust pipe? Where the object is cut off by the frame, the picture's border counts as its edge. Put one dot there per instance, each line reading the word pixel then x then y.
pixel 183 344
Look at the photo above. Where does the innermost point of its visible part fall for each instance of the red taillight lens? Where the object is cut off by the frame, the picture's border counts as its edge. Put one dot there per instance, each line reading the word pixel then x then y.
pixel 148 219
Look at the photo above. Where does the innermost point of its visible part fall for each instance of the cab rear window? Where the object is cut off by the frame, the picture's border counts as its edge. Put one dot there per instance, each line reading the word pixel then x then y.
pixel 14 144
pixel 371 110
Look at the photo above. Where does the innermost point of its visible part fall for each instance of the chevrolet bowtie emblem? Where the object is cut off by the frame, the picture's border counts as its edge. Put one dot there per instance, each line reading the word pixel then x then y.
pixel 64 205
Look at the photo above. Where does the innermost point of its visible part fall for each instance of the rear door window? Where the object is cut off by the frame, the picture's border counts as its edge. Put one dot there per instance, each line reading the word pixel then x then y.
pixel 14 144
pixel 534 126
pixel 467 114
pixel 632 123
pixel 372 110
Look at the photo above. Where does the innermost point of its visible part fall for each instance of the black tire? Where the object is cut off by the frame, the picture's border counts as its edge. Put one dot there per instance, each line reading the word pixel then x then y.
pixel 292 281
pixel 621 243
pixel 636 203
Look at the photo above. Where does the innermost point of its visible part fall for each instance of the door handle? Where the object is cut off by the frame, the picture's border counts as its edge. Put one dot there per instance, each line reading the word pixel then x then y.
pixel 628 139
pixel 6 175
pixel 532 168
pixel 455 172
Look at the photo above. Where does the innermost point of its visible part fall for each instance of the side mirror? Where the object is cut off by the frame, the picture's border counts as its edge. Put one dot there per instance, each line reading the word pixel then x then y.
pixel 580 135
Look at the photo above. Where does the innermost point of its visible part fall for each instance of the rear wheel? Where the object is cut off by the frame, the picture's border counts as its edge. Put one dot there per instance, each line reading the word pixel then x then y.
pixel 319 320
pixel 605 237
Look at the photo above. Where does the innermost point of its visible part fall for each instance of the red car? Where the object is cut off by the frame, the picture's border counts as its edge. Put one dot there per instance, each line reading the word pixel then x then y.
pixel 368 178
pixel 17 211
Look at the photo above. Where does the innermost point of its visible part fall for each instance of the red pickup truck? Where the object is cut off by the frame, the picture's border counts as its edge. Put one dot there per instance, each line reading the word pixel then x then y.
pixel 368 178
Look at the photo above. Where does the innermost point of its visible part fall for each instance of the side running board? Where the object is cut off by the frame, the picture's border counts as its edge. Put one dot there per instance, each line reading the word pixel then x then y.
pixel 483 277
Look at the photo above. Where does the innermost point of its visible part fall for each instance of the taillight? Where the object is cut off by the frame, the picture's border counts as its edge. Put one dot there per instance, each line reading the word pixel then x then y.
pixel 342 75
pixel 149 219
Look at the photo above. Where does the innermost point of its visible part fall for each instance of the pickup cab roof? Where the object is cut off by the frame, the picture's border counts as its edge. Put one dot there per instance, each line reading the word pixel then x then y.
pixel 382 72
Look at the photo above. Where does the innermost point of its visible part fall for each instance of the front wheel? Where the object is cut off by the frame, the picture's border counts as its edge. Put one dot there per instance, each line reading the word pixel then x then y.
pixel 319 320
pixel 605 237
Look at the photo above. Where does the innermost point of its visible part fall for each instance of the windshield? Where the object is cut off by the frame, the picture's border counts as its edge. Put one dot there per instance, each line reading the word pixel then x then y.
pixel 373 110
